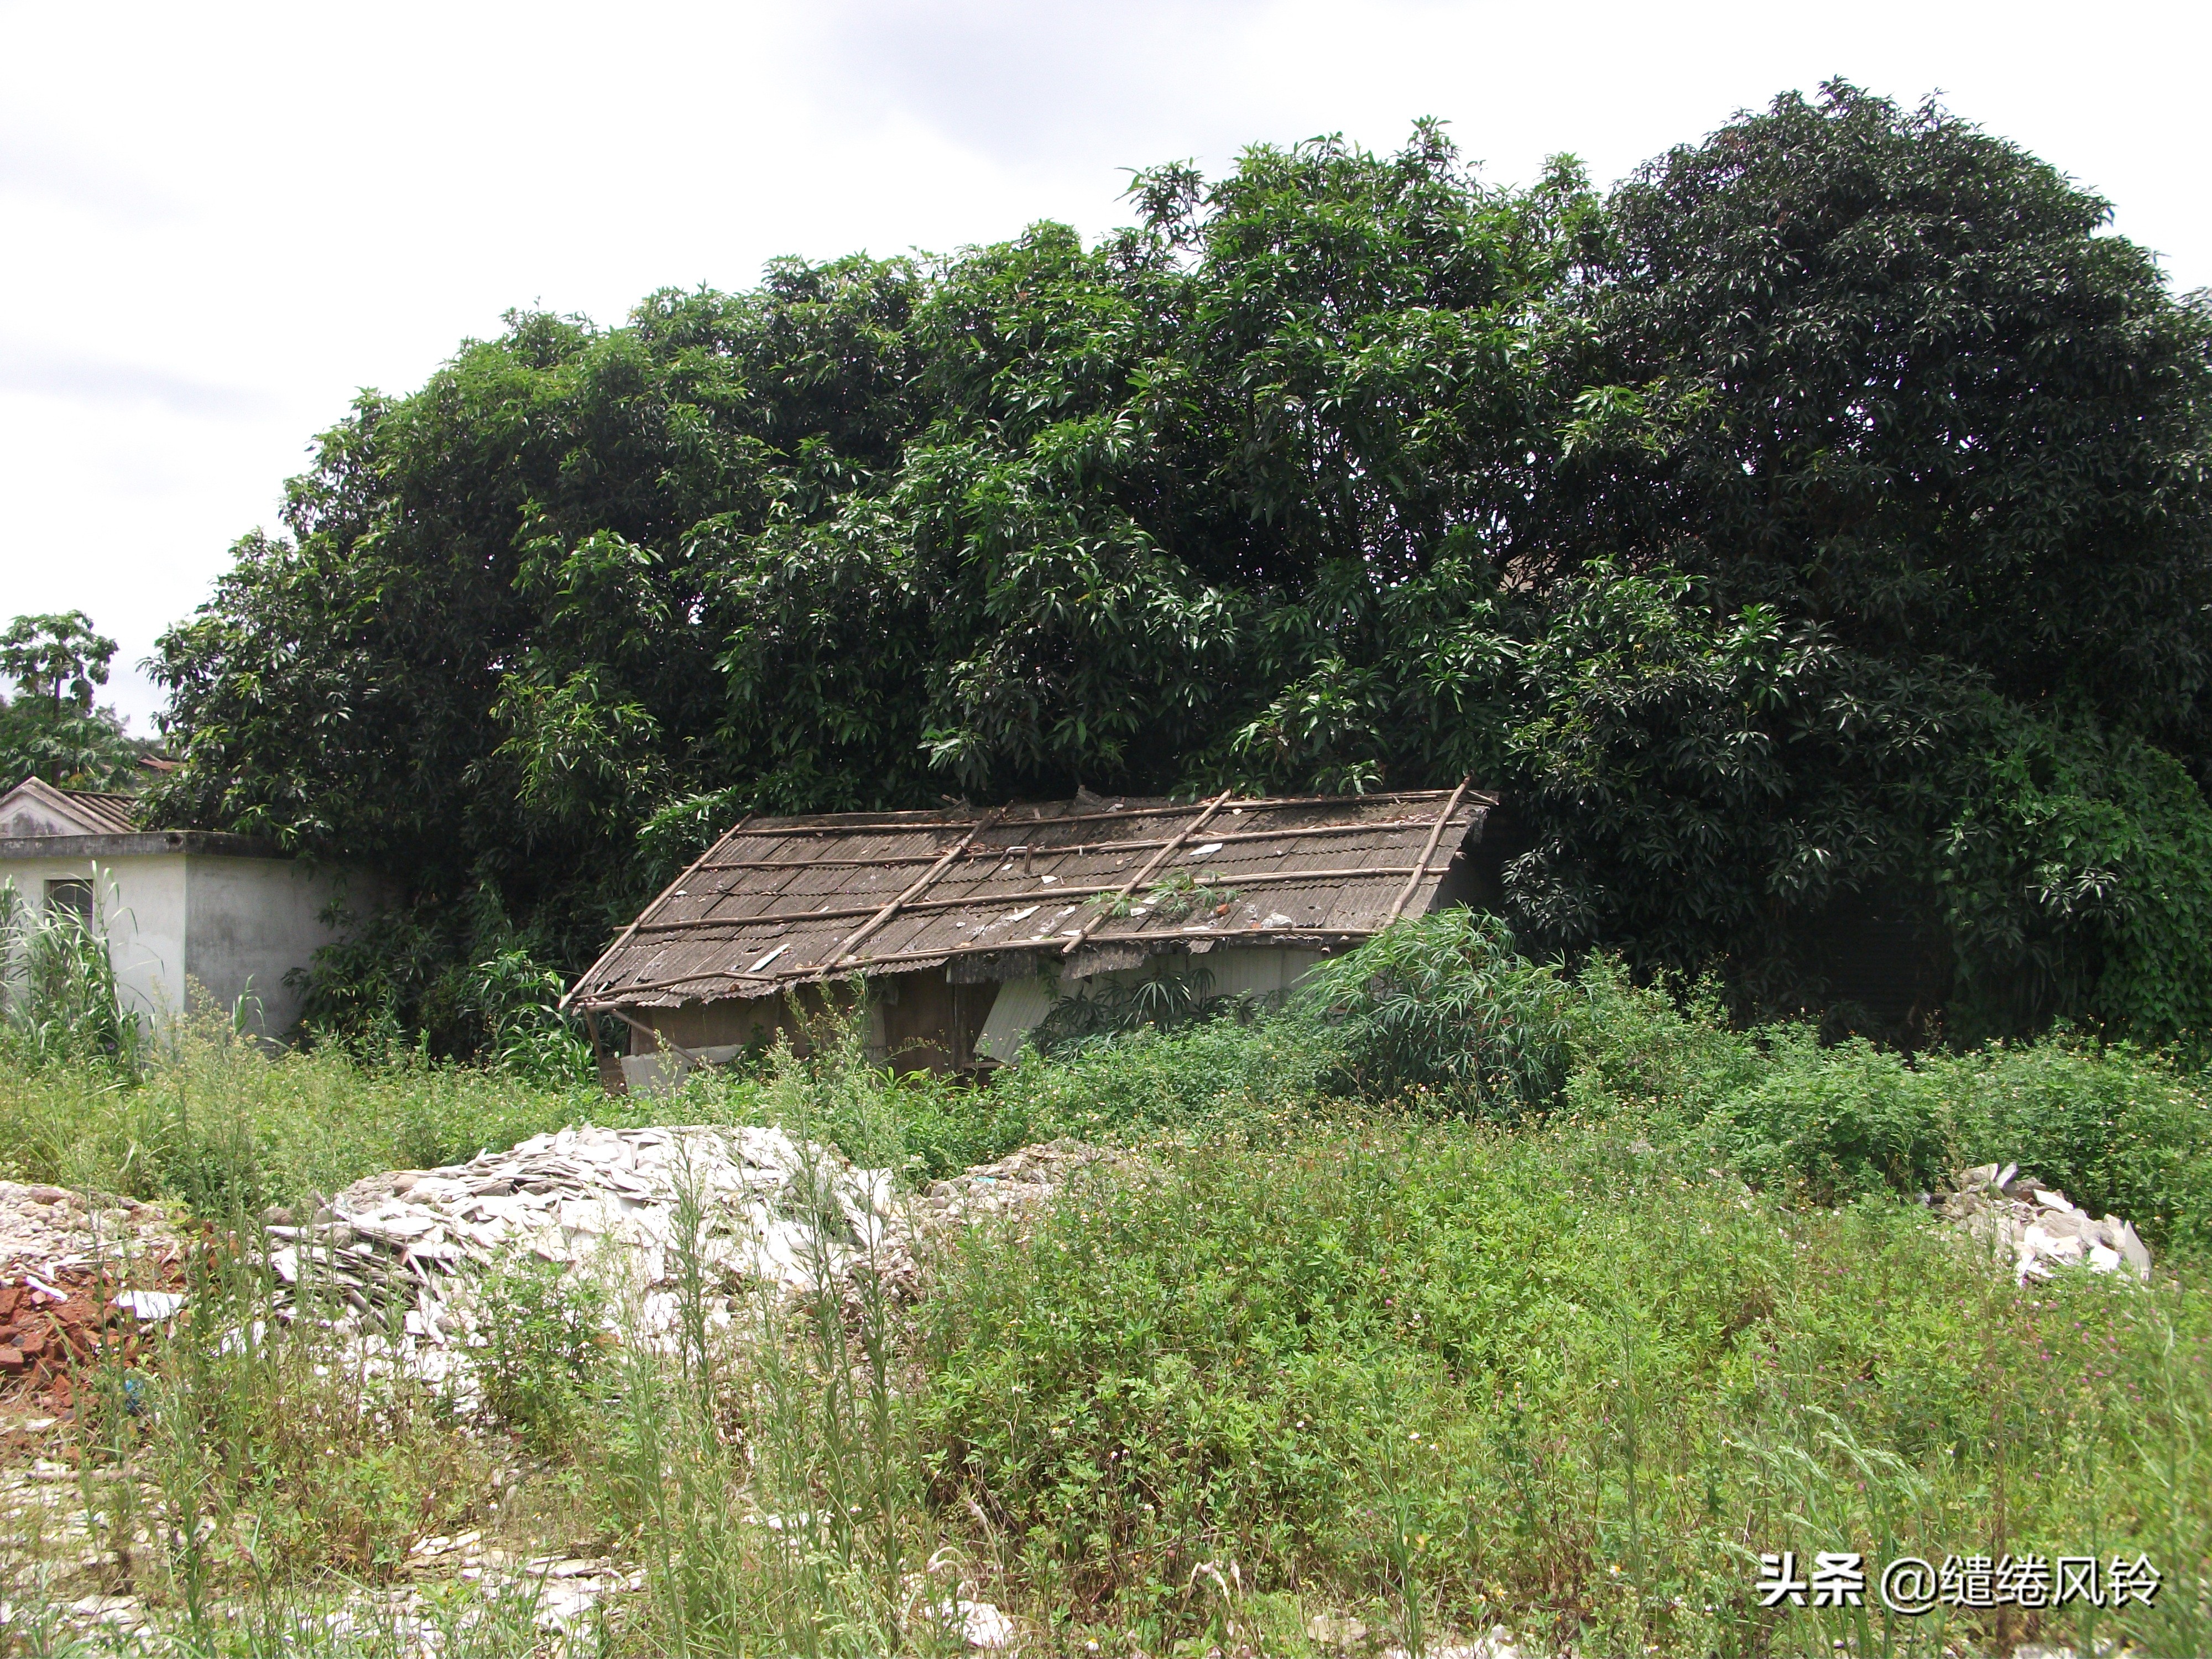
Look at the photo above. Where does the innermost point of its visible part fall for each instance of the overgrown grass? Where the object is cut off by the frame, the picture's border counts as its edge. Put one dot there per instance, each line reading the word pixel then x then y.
pixel 1356 1330
pixel 216 1120
pixel 1585 1386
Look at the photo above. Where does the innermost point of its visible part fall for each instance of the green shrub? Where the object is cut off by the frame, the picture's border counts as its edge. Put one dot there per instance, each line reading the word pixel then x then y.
pixel 1154 999
pixel 1445 1000
pixel 1204 1079
pixel 1844 1120
pixel 2119 1129
pixel 1652 1048
pixel 540 1336
pixel 2078 882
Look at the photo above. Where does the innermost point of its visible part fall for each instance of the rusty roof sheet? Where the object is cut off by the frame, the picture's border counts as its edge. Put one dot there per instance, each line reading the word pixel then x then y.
pixel 86 811
pixel 779 901
pixel 111 813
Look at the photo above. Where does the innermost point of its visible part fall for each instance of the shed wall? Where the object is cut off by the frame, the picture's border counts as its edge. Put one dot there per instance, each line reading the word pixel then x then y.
pixel 142 902
pixel 249 923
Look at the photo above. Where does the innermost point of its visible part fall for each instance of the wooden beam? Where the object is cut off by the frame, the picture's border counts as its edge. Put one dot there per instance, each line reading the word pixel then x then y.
pixel 889 910
pixel 1151 865
pixel 1429 851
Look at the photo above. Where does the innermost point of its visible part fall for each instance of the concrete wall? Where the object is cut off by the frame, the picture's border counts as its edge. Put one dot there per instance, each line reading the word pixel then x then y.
pixel 236 926
pixel 249 922
pixel 142 902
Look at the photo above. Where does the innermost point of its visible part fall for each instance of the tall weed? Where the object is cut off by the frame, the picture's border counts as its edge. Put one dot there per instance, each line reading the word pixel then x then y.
pixel 59 1000
pixel 1444 1000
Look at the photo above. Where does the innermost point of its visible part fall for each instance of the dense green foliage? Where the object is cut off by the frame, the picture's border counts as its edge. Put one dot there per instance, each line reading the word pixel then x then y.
pixel 1444 1000
pixel 1816 526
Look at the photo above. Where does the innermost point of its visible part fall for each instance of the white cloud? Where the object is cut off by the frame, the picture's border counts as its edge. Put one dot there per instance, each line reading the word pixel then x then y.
pixel 222 220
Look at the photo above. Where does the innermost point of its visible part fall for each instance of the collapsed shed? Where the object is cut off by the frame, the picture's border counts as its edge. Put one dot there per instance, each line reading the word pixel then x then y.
pixel 969 927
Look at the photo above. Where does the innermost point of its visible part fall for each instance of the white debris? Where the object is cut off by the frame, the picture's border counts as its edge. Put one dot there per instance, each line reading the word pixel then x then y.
pixel 978 1624
pixel 46 1230
pixel 1497 1644
pixel 1332 1629
pixel 152 1306
pixel 408 1245
pixel 2040 1227
pixel 1019 1179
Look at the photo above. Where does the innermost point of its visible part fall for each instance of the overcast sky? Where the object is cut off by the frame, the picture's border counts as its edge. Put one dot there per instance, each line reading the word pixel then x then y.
pixel 218 222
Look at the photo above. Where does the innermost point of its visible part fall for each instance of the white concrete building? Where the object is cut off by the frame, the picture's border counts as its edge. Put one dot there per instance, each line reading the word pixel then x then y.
pixel 184 911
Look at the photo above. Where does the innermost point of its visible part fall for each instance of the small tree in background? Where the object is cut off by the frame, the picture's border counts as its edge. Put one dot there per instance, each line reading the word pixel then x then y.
pixel 51 729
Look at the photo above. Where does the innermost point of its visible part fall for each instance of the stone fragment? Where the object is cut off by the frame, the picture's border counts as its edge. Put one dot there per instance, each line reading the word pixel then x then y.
pixel 2038 1226
pixel 1333 1630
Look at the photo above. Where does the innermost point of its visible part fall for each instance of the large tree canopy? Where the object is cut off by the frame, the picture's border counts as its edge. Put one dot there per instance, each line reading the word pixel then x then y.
pixel 1812 525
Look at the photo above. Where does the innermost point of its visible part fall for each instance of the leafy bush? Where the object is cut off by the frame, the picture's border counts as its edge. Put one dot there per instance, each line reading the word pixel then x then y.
pixel 2118 1128
pixel 457 980
pixel 1656 1049
pixel 1444 999
pixel 517 998
pixel 2078 879
pixel 539 1326
pixel 1846 1121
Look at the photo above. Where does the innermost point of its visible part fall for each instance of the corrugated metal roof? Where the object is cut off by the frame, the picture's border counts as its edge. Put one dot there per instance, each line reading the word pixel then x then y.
pixel 111 813
pixel 783 901
pixel 65 812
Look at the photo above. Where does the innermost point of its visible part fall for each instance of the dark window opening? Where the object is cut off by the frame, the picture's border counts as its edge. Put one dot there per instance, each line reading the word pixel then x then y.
pixel 70 897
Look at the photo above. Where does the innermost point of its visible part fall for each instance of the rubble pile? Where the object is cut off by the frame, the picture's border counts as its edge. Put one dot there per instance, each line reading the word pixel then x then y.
pixel 410 1241
pixel 2039 1226
pixel 48 1230
pixel 1019 1180
pixel 65 1260
pixel 401 1254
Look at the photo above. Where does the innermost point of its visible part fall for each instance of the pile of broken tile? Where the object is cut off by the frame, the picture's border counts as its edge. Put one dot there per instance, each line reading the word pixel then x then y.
pixel 79 1273
pixel 2038 1225
pixel 1019 1180
pixel 45 1230
pixel 412 1243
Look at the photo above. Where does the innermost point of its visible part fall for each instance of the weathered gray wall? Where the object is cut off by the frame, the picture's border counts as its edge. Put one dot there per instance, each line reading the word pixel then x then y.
pixel 249 922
